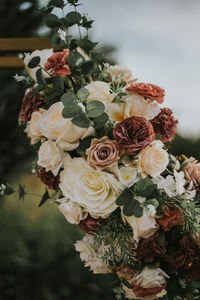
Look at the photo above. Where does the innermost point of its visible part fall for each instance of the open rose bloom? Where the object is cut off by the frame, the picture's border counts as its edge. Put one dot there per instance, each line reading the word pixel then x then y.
pixel 101 146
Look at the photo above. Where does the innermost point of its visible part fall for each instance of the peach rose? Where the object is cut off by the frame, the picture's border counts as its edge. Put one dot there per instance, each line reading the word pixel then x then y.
pixel 147 90
pixel 192 170
pixel 102 153
pixel 100 91
pixel 57 64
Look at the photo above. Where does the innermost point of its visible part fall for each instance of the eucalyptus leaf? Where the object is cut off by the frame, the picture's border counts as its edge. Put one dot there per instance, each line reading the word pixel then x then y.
pixel 56 3
pixel 90 67
pixel 39 88
pixel 68 99
pixel 73 57
pixel 100 121
pixel 72 112
pixel 72 1
pixel 95 108
pixel 51 21
pixel 73 18
pixel 133 208
pixel 161 238
pixel 86 44
pixel 58 83
pixel 83 94
pixel 144 187
pixel 125 197
pixel 45 197
pixel 34 62
pixel 81 121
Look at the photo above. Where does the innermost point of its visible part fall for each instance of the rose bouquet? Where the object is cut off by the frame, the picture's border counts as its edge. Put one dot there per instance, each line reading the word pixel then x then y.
pixel 102 142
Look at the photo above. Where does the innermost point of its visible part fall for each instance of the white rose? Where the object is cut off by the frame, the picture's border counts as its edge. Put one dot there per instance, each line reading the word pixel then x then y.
pixel 134 105
pixel 151 278
pixel 50 157
pixel 118 71
pixel 94 190
pixel 91 255
pixel 33 129
pixel 100 91
pixel 153 160
pixel 143 227
pixel 43 54
pixel 73 212
pixel 53 126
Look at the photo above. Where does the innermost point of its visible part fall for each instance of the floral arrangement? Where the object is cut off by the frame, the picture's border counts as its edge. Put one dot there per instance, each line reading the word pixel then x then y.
pixel 102 141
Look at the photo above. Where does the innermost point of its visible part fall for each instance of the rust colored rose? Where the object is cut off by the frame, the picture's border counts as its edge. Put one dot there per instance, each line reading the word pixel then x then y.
pixel 102 153
pixel 57 64
pixel 165 125
pixel 186 256
pixel 192 170
pixel 133 134
pixel 148 249
pixel 193 273
pixel 172 217
pixel 147 90
pixel 48 178
pixel 141 292
pixel 89 224
pixel 30 104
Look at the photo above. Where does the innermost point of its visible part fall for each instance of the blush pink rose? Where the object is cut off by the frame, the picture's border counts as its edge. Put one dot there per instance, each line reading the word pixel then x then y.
pixel 102 153
pixel 147 90
pixel 57 64
pixel 133 134
pixel 192 170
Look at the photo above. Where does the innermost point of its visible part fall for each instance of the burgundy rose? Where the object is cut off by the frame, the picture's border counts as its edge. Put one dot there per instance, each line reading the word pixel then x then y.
pixel 57 64
pixel 89 224
pixel 148 249
pixel 165 125
pixel 102 153
pixel 30 104
pixel 147 90
pixel 141 292
pixel 186 256
pixel 48 178
pixel 133 134
pixel 172 217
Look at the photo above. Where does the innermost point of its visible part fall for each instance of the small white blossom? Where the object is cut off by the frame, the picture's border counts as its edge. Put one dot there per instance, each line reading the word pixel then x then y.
pixel 62 34
pixel 180 182
pixel 19 78
pixel 2 189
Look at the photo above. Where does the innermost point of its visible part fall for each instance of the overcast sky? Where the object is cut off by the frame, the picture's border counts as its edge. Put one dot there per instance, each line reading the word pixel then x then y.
pixel 159 41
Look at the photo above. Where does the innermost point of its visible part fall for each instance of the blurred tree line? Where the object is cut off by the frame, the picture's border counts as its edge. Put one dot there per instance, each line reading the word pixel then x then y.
pixel 37 258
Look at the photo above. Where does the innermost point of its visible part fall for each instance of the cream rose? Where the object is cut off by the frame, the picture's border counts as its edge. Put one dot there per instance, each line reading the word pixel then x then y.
pixel 53 126
pixel 73 212
pixel 33 129
pixel 91 255
pixel 134 105
pixel 43 54
pixel 151 278
pixel 153 159
pixel 143 227
pixel 50 157
pixel 94 190
pixel 100 91
pixel 118 71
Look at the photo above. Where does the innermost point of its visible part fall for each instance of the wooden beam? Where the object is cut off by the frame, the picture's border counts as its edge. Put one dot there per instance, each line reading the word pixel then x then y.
pixel 24 44
pixel 11 62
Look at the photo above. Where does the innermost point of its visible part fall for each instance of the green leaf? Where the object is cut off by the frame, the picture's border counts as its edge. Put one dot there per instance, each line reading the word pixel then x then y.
pixel 73 57
pixel 56 3
pixel 40 78
pixel 90 67
pixel 34 62
pixel 68 99
pixel 153 202
pixel 51 21
pixel 58 83
pixel 133 208
pixel 95 108
pixel 84 145
pixel 197 198
pixel 72 112
pixel 45 197
pixel 73 18
pixel 8 190
pixel 83 94
pixel 100 121
pixel 183 165
pixel 22 192
pixel 85 23
pixel 161 239
pixel 86 44
pixel 144 187
pixel 195 284
pixel 125 197
pixel 81 121
pixel 39 88
pixel 72 1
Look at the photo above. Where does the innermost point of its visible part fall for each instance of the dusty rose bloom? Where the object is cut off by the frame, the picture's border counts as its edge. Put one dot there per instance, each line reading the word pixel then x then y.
pixel 133 134
pixel 192 170
pixel 142 292
pixel 30 104
pixel 48 178
pixel 102 153
pixel 165 125
pixel 147 90
pixel 56 63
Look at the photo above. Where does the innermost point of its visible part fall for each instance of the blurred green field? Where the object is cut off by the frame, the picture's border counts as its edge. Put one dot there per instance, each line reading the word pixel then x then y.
pixel 37 256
